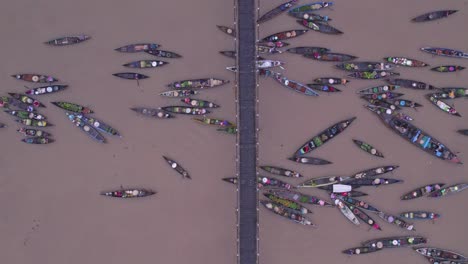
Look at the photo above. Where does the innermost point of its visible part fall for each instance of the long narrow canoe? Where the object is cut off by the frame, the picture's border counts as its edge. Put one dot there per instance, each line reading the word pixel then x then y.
pixel 179 93
pixel 310 16
pixel 46 89
pixel 30 132
pixel 26 99
pixel 299 197
pixel 449 190
pixel 36 78
pixel 448 68
pixel 265 64
pixel 281 171
pixel 395 242
pixel 320 181
pixel 174 165
pixel 232 180
pixel 131 75
pixel 296 86
pixel 152 112
pixel 403 103
pixel 263 181
pixel 420 215
pixel 387 110
pixel 365 66
pixel 287 203
pixel 99 125
pixel 284 35
pixel 323 88
pixel 358 203
pixel 72 107
pixel 433 15
pixel 276 11
pixel 142 64
pixel 291 214
pixel 25 114
pixel 37 140
pixel 372 182
pixel 368 173
pixel 229 130
pixel 230 31
pixel 198 103
pixel 139 47
pixel 331 80
pixel 213 121
pixel 69 40
pixel 359 213
pixel 319 27
pixel 379 89
pixel 33 122
pixel 344 209
pixel 7 102
pixel 405 62
pixel 441 253
pixel 445 52
pixel 129 193
pixel 310 160
pixel 229 53
pixel 368 148
pixel 273 44
pixel 360 250
pixel 410 84
pixel 372 75
pixel 308 50
pixel 197 83
pixel 163 54
pixel 396 221
pixel 422 191
pixel 311 7
pixel 185 110
pixel 443 105
pixel 381 96
pixel 330 56
pixel 89 130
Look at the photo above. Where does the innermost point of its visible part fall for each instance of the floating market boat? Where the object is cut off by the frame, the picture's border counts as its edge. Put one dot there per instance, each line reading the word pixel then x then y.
pixel 273 44
pixel 46 89
pixel 337 188
pixel 368 173
pixel 403 103
pixel 179 93
pixel 357 203
pixel 311 7
pixel 163 54
pixel 382 103
pixel 286 212
pixel 368 148
pixel 381 96
pixel 352 193
pixel 442 105
pixel 198 103
pixel 266 49
pixel 287 203
pixel 396 221
pixel 319 26
pixel 405 62
pixel 463 131
pixel 214 122
pixel 230 130
pixel 229 53
pixel 451 93
pixel 70 40
pixel 177 167
pixel 372 75
pixel 445 52
pixel 299 197
pixel 310 16
pixel 296 86
pixel 320 181
pixel 185 110
pixel 72 107
pixel 129 193
pixel 276 11
pixel 420 215
pixel 443 261
pixel 25 114
pixel 395 242
pixel 308 50
pixel 198 83
pixel 228 30
pixel 388 111
pixel 140 47
pixel 410 84
pixel 232 180
pixel 99 125
pixel 448 190
pixel 323 88
pixel 89 130
pixel 324 136
pixel 310 160
pixel 331 80
pixel 364 217
pixel 284 35
pixel 130 75
pixel 422 191
pixel 441 254
pixel 146 64
pixel 372 182
pixel 37 140
pixel 33 122
pixel 36 78
pixel 26 99
pixel 346 211
pixel 369 66
pixel 272 182
pixel 360 250
pixel 379 89
pixel 265 64
pixel 433 15
pixel 448 68
pixel 281 171
pixel 152 112
pixel 330 56
pixel 7 102
pixel 29 132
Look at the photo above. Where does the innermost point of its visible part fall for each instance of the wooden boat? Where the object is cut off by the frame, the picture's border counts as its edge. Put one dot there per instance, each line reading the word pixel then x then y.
pixel 364 217
pixel 141 64
pixel 230 130
pixel 25 114
pixel 330 56
pixel 370 66
pixel 281 171
pixel 422 191
pixel 388 111
pixel 368 148
pixel 266 49
pixel 443 261
pixel 323 88
pixel 441 254
pixel 445 52
pixel 395 242
pixel 433 15
pixel 357 203
pixel 33 122
pixel 179 93
pixel 308 50
pixel 197 83
pixel 448 190
pixel 379 89
pixel 70 40
pixel 448 68
pixel 396 221
pixel 265 64
pixel 89 130
pixel 410 84
pixel 7 102
pixel 214 122
pixel 352 193
pixel 420 215
pixel 442 105
pixel 164 54
pixel 99 125
pixel 232 68
pixel 324 136
pixel 337 188
pixel 276 11
pixel 331 80
pixel 129 193
pixel 185 110
pixel 227 30
pixel 36 78
pixel 451 93
pixel 130 75
pixel 286 212
pixel 402 103
pixel 46 89
pixel 322 27
pixel 382 103
pixel 284 35
pixel 29 132
pixel 310 16
pixel 368 173
pixel 140 47
pixel 311 7
pixel 198 103
pixel 177 167
pixel 381 96
pixel 37 140
pixel 320 181
pixel 372 182
pixel 346 211
pixel 296 86
pixel 463 131
pixel 263 181
pixel 372 75
pixel 26 99
pixel 273 44
pixel 229 53
pixel 287 203
pixel 405 62
pixel 72 107
pixel 232 180
pixel 360 250
pixel 310 160
pixel 300 198
pixel 152 112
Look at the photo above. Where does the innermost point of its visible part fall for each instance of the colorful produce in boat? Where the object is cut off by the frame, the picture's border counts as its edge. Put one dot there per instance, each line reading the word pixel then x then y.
pixel 311 7
pixel 396 221
pixel 163 54
pixel 276 11
pixel 433 15
pixel 331 80
pixel 287 203
pixel 129 193
pixel 344 209
pixel 388 111
pixel 37 140
pixel 36 78
pixel 232 180
pixel 72 107
pixel 405 62
pixel 152 112
pixel 281 171
pixel 364 217
pixel 422 191
pixel 369 66
pixel 286 212
pixel 266 49
pixel 46 89
pixel 445 52
pixel 451 93
pixel 379 89
pixel 320 181
pixel 227 30
pixel 443 106
pixel 70 40
pixel 395 242
pixel 368 148
pixel 329 56
pixel 324 136
pixel 310 160
pixel 448 68
pixel 381 96
pixel 309 16
pixel 99 125
pixel 420 215
pixel 372 75
pixel 308 50
pixel 197 83
pixel 319 26
pixel 185 110
pixel 214 122
pixel 265 64
pixel 360 250
pixel 25 114
pixel 230 130
pixel 357 203
pixel 29 132
pixel 130 75
pixel 299 197
pixel 26 99
pixel 441 254
pixel 138 47
pixel 284 35
pixel 448 190
pixel 403 103
pixel 296 86
pixel 410 84
pixel 179 93
pixel 272 182
pixel 33 122
pixel 323 88
pixel 145 64
pixel 198 103
pixel 372 182
pixel 89 130
pixel 382 103
pixel 177 167
pixel 443 261
pixel 7 102
pixel 229 53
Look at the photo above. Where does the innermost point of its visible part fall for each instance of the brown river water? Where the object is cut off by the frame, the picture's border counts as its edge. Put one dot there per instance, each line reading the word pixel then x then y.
pixel 49 195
